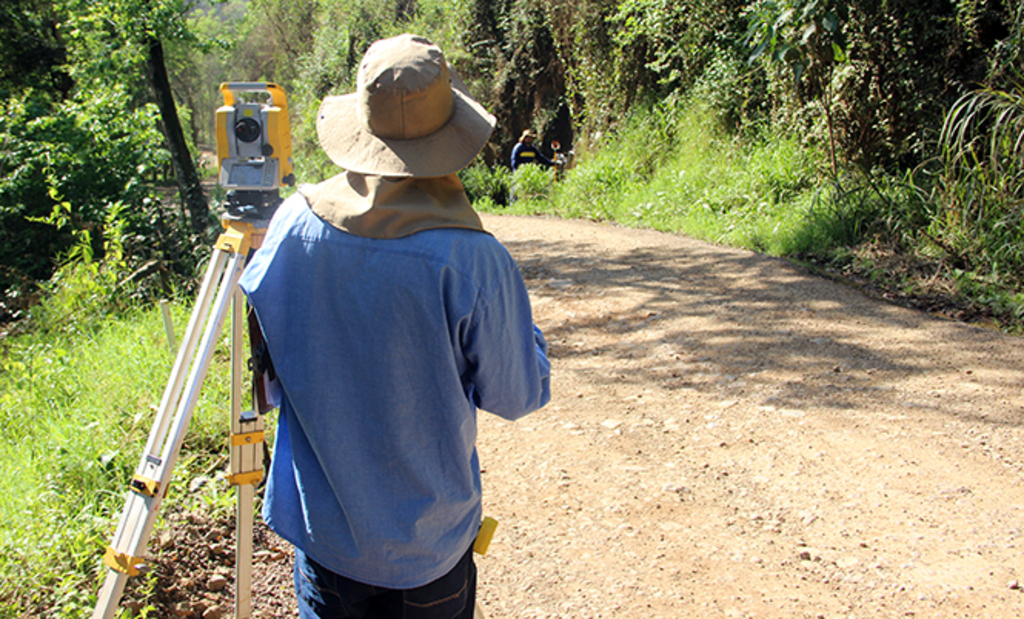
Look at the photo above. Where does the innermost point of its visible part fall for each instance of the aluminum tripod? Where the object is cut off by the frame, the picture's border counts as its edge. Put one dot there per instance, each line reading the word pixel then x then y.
pixel 218 292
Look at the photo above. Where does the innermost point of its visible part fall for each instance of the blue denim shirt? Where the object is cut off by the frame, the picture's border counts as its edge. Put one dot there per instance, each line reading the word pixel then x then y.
pixel 384 350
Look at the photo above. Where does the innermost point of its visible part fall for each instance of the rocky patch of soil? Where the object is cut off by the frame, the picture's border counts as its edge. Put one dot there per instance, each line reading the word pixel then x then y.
pixel 191 572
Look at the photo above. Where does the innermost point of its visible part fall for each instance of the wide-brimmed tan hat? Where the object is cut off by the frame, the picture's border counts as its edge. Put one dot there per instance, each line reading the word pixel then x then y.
pixel 409 117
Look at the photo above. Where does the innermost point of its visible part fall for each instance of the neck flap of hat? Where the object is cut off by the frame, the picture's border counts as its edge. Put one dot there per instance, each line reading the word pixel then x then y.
pixel 390 208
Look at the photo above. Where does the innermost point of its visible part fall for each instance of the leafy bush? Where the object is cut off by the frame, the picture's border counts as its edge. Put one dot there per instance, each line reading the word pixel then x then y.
pixel 531 182
pixel 74 176
pixel 50 157
pixel 485 183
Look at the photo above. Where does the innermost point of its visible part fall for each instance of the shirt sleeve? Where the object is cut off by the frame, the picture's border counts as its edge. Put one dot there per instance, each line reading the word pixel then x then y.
pixel 509 370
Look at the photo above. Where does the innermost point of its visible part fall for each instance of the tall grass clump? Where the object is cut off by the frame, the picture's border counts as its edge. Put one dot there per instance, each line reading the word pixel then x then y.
pixel 78 389
pixel 977 223
pixel 981 189
pixel 958 220
pixel 754 194
pixel 866 208
pixel 487 187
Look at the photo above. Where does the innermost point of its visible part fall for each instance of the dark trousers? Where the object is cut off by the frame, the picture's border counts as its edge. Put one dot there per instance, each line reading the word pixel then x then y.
pixel 323 594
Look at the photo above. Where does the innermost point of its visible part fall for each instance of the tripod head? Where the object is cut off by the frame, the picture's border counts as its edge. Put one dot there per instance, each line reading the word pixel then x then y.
pixel 254 151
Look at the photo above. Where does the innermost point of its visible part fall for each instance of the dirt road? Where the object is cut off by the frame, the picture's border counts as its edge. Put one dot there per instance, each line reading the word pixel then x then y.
pixel 730 436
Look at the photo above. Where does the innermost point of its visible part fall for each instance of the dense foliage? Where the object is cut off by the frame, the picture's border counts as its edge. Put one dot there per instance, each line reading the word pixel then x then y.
pixel 82 144
pixel 871 82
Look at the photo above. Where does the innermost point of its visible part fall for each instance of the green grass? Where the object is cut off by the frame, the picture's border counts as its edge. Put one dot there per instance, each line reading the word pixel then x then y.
pixel 78 395
pixel 671 171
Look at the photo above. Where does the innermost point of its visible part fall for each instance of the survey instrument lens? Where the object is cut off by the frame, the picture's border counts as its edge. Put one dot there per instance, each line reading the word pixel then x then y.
pixel 247 130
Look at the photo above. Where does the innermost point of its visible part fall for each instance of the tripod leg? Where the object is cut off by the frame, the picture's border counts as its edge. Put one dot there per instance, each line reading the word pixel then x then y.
pixel 186 352
pixel 154 472
pixel 244 550
pixel 246 462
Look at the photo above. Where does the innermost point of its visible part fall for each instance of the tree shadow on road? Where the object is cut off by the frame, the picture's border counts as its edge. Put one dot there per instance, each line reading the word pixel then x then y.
pixel 717 320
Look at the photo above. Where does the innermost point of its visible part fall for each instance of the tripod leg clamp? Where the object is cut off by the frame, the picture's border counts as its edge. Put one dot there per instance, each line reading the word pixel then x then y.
pixel 122 562
pixel 240 479
pixel 144 486
pixel 246 438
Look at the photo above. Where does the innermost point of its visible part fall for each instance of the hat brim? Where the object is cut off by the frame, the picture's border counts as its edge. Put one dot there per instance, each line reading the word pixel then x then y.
pixel 349 143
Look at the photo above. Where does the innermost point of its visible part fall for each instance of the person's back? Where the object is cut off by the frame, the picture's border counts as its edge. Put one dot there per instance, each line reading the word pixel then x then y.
pixel 390 315
pixel 389 424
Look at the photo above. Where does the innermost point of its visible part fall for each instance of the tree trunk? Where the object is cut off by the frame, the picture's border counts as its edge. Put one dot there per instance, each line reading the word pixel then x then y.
pixel 184 169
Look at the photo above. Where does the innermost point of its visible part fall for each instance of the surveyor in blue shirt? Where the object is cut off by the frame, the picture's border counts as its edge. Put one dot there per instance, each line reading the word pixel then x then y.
pixel 391 316
pixel 525 152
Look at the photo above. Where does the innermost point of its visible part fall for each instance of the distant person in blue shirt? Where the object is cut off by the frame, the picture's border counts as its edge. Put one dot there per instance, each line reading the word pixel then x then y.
pixel 525 152
pixel 391 316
